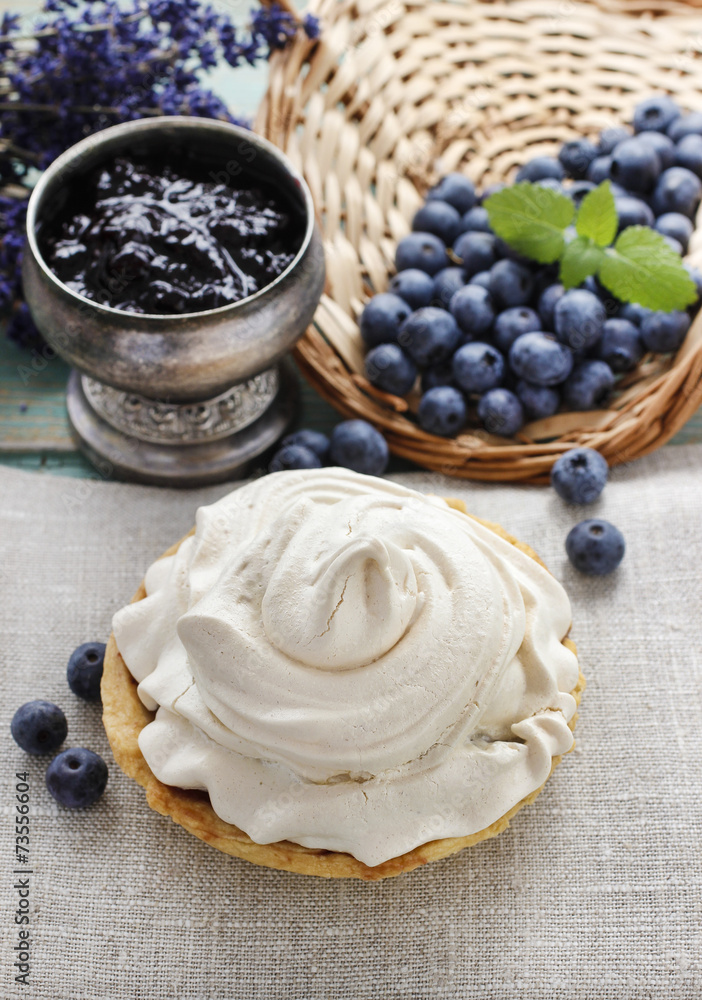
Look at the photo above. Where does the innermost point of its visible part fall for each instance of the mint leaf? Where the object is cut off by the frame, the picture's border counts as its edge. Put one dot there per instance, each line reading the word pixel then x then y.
pixel 531 219
pixel 580 259
pixel 642 268
pixel 597 216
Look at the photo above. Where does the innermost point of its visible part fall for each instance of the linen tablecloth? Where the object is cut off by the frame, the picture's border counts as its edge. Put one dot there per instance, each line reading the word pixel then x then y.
pixel 594 892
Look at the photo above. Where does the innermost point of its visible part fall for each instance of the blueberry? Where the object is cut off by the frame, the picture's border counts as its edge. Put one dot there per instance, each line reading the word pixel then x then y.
pixel 632 212
pixel 655 113
pixel 76 778
pixel 357 445
pixel 677 190
pixel 84 670
pixel 690 124
pixel 415 287
pixel 492 189
pixel 579 189
pixel 39 727
pixel 457 190
pixel 446 284
pixel 478 367
pixel 595 547
pixel 442 410
pixel 547 305
pixel 541 359
pixel 664 332
pixel 635 165
pixel 476 251
pixel 674 245
pixel 611 137
pixel 511 284
pixel 696 276
pixel 551 183
pixel 500 412
pixel 579 475
pixel 473 310
pixel 579 318
pixel 676 225
pixel 313 440
pixel 390 369
pixel 439 218
pixel 430 335
pixel 538 400
pixel 634 312
pixel 598 170
pixel 621 346
pixel 539 168
pixel 294 456
pixel 589 386
pixel 688 153
pixel 663 145
pixel 441 374
pixel 482 278
pixel 422 251
pixel 576 156
pixel 382 318
pixel 512 323
pixel 476 220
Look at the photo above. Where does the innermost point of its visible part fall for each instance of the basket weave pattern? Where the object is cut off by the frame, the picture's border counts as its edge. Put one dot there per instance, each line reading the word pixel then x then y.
pixel 399 92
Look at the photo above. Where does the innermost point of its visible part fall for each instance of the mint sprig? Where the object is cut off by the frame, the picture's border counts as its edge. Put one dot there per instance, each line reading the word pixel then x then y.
pixel 638 266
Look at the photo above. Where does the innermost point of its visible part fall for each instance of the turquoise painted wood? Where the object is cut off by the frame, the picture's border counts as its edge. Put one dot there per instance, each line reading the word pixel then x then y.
pixel 34 431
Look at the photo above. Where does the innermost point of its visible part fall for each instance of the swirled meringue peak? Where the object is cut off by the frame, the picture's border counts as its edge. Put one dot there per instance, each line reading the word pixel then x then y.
pixel 345 663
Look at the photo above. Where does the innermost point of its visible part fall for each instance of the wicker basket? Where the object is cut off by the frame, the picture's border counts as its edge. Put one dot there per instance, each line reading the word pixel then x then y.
pixel 397 93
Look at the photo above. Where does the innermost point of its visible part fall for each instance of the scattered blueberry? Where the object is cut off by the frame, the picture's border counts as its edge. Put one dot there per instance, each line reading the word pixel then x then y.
pixel 576 156
pixel 439 218
pixel 357 445
pixel 621 346
pixel 595 547
pixel 478 367
pixel 314 440
pixel 414 286
pixel 446 284
pixel 442 410
pixel 500 412
pixel 76 778
pixel 422 251
pixel 39 727
pixel 579 318
pixel 579 475
pixel 539 168
pixel 511 324
pixel 655 114
pixel 589 386
pixel 457 190
pixel 539 401
pixel 84 671
pixel 635 165
pixel 677 190
pixel 511 284
pixel 689 124
pixel 382 318
pixel 476 252
pixel 476 221
pixel 541 359
pixel 430 335
pixel 294 456
pixel 664 332
pixel 390 369
pixel 473 311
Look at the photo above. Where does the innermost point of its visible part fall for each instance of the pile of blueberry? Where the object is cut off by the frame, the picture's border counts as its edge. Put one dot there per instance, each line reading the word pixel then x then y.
pixel 494 336
pixel 354 444
pixel 76 777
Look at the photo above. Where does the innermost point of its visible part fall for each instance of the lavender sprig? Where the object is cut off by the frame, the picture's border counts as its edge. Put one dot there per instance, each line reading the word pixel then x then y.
pixel 86 66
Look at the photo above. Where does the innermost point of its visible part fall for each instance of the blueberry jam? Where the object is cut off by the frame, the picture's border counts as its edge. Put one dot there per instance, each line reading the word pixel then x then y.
pixel 145 237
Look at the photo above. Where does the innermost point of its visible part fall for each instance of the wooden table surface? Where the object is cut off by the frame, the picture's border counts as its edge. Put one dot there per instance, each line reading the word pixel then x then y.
pixel 34 431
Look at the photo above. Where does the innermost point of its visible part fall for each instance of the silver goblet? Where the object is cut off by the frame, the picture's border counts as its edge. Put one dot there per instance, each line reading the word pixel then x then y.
pixel 185 399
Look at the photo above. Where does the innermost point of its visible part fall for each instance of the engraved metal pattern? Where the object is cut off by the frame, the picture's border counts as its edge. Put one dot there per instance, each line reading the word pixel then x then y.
pixel 184 423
